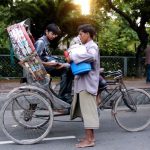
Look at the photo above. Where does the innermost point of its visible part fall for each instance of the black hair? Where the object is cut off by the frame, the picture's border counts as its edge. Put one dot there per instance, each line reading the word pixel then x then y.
pixel 87 28
pixel 53 28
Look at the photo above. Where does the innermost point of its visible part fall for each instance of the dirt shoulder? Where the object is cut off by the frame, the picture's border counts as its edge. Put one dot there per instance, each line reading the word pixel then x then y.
pixel 8 84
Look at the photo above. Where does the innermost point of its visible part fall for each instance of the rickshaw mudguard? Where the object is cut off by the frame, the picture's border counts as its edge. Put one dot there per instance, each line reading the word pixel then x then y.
pixel 54 101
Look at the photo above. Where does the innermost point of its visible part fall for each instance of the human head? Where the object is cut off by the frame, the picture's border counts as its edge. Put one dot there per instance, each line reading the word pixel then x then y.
pixel 86 32
pixel 75 40
pixel 52 31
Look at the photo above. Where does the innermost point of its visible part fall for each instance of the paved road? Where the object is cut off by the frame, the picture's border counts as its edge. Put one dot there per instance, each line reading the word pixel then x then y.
pixel 64 135
pixel 7 86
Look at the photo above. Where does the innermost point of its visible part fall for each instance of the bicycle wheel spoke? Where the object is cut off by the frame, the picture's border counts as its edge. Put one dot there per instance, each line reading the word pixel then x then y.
pixel 19 105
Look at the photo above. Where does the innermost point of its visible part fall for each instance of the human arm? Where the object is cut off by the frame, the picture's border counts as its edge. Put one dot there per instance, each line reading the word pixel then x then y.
pixel 88 56
pixel 50 64
pixel 39 46
pixel 56 64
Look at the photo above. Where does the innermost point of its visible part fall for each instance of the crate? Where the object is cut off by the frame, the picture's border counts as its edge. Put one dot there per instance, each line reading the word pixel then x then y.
pixel 24 50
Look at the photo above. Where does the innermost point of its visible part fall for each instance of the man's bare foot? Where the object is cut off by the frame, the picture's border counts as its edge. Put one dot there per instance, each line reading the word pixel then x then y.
pixel 85 143
pixel 82 139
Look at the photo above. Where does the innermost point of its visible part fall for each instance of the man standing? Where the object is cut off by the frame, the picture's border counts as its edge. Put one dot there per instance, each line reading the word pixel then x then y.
pixel 86 86
pixel 147 63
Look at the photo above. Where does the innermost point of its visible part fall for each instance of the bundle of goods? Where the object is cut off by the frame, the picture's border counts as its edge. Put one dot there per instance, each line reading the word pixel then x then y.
pixel 77 49
pixel 25 51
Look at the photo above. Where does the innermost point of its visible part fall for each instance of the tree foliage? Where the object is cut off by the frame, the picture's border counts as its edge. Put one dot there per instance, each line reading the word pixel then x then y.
pixel 116 36
pixel 6 2
pixel 4 15
pixel 42 12
pixel 116 39
pixel 136 14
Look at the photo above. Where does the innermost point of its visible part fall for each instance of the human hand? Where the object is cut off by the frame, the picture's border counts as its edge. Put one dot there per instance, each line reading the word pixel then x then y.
pixel 66 54
pixel 59 66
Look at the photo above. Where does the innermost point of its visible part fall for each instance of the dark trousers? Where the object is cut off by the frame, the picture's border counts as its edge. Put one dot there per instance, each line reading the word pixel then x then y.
pixel 148 73
pixel 66 81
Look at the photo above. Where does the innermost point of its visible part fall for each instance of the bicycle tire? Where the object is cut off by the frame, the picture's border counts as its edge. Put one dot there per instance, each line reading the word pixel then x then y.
pixel 22 133
pixel 136 116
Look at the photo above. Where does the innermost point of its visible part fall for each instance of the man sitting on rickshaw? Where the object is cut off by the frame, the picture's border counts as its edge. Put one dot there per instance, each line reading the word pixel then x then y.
pixel 52 66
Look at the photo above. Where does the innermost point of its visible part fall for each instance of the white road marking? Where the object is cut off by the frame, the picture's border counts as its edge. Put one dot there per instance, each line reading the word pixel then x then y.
pixel 45 139
pixel 14 126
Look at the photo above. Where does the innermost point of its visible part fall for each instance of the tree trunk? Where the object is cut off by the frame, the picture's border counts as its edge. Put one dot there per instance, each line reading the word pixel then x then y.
pixel 143 37
pixel 138 61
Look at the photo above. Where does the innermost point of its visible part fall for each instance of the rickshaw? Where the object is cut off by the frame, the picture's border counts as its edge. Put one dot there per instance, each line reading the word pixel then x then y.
pixel 30 108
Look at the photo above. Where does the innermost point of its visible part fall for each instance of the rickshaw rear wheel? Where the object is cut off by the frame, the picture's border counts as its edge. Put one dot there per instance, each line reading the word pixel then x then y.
pixel 26 118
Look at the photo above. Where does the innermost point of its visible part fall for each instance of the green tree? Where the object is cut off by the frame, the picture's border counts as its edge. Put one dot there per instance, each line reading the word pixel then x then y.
pixel 136 14
pixel 42 12
pixel 115 38
pixel 4 15
pixel 6 2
